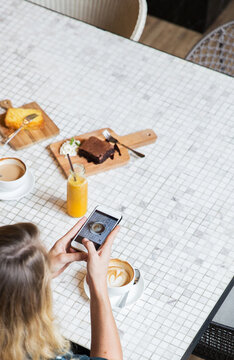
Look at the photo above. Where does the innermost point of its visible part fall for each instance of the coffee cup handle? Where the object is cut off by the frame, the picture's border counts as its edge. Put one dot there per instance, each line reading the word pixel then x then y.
pixel 6 104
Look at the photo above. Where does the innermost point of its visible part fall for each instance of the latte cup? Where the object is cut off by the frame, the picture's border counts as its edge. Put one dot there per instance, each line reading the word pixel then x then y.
pixel 13 172
pixel 120 277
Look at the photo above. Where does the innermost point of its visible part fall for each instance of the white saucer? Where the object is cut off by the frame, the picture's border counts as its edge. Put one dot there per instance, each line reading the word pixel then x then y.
pixel 21 192
pixel 134 294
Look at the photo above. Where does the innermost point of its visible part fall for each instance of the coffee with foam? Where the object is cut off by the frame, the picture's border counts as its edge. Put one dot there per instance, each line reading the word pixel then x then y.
pixel 120 273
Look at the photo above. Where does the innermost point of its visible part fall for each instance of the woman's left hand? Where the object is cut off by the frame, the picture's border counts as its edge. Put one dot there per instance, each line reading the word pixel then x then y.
pixel 61 254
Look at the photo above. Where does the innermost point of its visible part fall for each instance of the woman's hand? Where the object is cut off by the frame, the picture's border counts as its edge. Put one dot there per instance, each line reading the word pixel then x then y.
pixel 61 254
pixel 105 342
pixel 98 261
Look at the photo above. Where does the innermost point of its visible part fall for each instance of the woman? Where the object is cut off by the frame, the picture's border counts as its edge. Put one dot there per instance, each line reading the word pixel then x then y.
pixel 27 329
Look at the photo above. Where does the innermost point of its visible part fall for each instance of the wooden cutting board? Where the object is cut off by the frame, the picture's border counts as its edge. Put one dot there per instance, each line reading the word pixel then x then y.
pixel 133 140
pixel 26 138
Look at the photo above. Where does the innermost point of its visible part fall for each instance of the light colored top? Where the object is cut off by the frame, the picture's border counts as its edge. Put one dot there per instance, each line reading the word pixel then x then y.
pixel 177 202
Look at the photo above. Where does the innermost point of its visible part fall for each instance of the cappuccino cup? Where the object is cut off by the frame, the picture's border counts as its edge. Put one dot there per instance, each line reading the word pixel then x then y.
pixel 13 172
pixel 120 277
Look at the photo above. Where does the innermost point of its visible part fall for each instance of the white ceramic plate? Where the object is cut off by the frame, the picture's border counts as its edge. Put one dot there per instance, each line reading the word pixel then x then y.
pixel 134 294
pixel 21 192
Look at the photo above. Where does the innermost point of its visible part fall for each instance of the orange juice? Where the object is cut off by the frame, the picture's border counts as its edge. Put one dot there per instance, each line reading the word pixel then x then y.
pixel 77 193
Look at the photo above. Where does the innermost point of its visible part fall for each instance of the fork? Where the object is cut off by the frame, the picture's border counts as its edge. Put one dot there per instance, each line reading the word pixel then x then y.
pixel 110 138
pixel 25 121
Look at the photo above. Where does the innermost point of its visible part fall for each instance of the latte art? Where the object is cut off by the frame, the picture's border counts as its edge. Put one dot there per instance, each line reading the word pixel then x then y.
pixel 120 273
pixel 117 276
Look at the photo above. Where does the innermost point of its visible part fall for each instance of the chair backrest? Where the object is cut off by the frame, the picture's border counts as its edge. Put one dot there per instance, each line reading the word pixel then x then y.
pixel 216 50
pixel 123 17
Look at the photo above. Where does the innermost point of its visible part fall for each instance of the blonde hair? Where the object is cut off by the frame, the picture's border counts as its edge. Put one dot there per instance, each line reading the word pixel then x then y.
pixel 26 320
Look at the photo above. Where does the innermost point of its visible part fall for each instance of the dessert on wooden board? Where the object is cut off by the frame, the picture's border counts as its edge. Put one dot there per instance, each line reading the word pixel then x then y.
pixel 15 116
pixel 92 149
pixel 38 129
pixel 96 150
pixel 134 140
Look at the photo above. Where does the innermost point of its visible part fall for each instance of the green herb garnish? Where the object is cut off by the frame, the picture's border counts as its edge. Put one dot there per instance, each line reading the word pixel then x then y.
pixel 72 141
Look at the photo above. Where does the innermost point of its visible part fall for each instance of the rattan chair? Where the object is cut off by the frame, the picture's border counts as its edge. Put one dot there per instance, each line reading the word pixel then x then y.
pixel 216 50
pixel 123 17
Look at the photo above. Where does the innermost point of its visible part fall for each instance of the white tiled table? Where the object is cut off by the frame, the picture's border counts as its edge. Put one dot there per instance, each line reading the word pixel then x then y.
pixel 177 203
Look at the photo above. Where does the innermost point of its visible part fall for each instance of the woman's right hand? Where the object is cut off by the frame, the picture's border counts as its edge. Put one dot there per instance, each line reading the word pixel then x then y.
pixel 105 342
pixel 98 261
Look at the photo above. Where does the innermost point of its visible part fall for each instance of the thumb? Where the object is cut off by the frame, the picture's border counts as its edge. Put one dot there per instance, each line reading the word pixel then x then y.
pixel 110 239
pixel 89 246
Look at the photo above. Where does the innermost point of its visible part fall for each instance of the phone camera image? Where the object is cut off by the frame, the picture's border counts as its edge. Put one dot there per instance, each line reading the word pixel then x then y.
pixel 97 228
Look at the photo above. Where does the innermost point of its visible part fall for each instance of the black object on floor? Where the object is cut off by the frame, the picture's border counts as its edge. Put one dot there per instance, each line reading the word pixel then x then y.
pixel 197 15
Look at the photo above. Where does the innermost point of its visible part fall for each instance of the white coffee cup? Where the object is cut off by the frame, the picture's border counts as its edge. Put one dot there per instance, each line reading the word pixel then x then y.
pixel 120 277
pixel 13 172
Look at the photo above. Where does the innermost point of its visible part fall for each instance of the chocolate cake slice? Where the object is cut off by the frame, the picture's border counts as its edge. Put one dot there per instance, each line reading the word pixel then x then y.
pixel 96 150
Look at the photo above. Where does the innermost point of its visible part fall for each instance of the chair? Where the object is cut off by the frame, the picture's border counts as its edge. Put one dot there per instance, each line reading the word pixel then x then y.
pixel 217 342
pixel 216 50
pixel 123 17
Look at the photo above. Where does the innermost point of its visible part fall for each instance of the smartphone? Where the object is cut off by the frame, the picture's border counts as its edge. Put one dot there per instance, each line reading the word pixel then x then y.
pixel 97 227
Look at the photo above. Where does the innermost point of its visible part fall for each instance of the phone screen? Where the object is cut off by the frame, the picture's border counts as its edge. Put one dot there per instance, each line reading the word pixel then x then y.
pixel 97 228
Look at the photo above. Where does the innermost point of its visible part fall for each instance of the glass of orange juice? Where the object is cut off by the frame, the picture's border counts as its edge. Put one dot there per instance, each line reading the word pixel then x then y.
pixel 77 192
